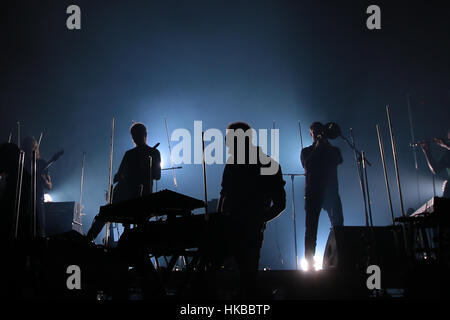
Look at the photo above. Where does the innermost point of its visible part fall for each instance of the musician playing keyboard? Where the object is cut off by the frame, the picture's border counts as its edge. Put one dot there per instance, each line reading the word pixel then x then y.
pixel 134 177
pixel 442 164
pixel 252 199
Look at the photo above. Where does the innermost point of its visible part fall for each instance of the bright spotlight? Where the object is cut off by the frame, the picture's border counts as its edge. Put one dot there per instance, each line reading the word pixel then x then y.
pixel 48 197
pixel 317 264
pixel 304 264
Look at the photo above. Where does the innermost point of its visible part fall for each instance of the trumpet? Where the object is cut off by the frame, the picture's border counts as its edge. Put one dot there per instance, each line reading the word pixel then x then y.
pixel 427 141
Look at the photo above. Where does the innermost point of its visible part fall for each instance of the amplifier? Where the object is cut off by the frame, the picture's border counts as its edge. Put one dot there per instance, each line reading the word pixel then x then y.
pixel 353 248
pixel 62 217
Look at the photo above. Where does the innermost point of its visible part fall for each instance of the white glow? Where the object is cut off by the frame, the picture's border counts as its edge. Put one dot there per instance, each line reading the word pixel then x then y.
pixel 304 264
pixel 47 198
pixel 317 263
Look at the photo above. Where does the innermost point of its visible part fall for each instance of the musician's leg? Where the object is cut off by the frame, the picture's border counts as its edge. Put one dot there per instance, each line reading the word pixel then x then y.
pixel 312 208
pixel 334 210
pixel 247 259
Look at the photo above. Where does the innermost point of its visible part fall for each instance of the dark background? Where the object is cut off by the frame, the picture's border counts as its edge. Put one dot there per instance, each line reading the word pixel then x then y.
pixel 222 61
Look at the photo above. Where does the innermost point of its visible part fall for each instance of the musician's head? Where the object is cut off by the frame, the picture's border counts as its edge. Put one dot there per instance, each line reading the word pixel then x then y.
pixel 139 133
pixel 316 130
pixel 239 136
pixel 29 144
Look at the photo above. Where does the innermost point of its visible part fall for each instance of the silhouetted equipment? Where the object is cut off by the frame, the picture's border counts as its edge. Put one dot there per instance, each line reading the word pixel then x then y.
pixel 203 243
pixel 434 206
pixel 164 202
pixel 62 217
pixel 430 227
pixel 355 248
pixel 386 178
pixel 293 175
pixel 171 236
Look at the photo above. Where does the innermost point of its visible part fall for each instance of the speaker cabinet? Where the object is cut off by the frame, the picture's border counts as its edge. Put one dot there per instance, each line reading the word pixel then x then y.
pixel 62 217
pixel 354 248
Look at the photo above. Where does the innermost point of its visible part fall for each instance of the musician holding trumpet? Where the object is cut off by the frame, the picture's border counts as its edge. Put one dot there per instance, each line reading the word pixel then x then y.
pixel 320 161
pixel 443 163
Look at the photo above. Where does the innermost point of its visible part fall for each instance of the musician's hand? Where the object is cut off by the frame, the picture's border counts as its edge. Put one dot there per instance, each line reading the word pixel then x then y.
pixel 47 181
pixel 440 142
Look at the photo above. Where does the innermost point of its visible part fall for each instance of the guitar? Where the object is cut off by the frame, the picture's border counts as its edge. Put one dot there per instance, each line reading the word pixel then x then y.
pixel 53 159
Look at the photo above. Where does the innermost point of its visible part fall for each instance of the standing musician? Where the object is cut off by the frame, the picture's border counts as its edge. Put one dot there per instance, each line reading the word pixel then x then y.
pixel 320 161
pixel 134 177
pixel 442 164
pixel 252 199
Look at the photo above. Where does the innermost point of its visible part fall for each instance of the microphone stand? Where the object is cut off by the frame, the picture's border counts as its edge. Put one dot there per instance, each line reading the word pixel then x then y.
pixel 362 162
pixel 293 175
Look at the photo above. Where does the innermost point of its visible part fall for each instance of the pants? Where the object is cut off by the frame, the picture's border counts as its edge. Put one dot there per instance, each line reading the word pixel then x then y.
pixel 313 205
pixel 247 254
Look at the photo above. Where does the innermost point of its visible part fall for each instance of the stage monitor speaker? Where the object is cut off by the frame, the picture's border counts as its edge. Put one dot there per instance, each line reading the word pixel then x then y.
pixel 62 217
pixel 354 248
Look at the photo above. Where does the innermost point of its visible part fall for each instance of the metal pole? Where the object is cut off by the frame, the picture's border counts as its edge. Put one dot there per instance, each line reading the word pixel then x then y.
pixel 386 178
pixel 33 193
pixel 361 177
pixel 276 221
pixel 434 184
pixel 170 154
pixel 9 138
pixel 295 225
pixel 40 139
pixel 151 181
pixel 18 194
pixel 18 134
pixel 293 175
pixel 300 132
pixel 204 177
pixel 109 197
pixel 394 152
pixel 369 206
pixel 416 165
pixel 82 177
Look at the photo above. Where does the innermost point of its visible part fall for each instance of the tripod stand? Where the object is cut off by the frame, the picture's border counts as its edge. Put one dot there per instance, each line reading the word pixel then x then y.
pixel 293 175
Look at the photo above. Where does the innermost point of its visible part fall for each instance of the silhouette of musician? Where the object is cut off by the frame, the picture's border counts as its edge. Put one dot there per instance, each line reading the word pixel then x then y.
pixel 251 198
pixel 320 161
pixel 139 167
pixel 437 166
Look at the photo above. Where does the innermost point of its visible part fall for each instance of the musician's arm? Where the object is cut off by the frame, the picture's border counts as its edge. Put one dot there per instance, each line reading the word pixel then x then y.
pixel 278 206
pixel 157 171
pixel 122 169
pixel 47 181
pixel 435 166
pixel 278 197
pixel 442 143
